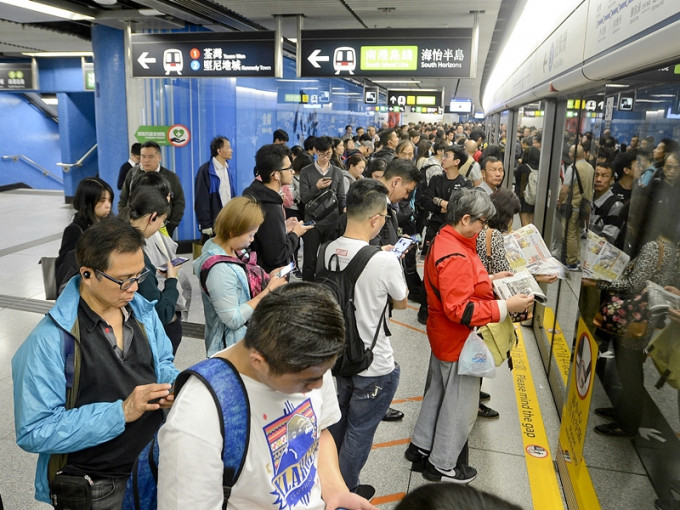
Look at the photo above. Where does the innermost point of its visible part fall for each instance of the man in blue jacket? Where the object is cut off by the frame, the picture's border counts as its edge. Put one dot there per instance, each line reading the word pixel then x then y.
pixel 119 376
pixel 215 186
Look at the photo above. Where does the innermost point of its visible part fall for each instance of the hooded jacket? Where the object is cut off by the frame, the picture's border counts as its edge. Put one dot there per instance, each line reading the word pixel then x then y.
pixel 43 424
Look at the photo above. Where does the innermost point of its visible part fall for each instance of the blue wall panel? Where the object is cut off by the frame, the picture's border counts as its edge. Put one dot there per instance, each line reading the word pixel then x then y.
pixel 60 75
pixel 77 136
pixel 27 131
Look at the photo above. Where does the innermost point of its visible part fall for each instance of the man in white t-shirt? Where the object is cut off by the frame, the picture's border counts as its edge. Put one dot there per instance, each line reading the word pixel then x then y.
pixel 293 339
pixel 381 280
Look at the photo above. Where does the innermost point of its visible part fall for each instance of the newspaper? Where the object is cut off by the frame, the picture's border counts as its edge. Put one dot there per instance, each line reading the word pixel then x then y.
pixel 660 300
pixel 519 283
pixel 526 251
pixel 603 260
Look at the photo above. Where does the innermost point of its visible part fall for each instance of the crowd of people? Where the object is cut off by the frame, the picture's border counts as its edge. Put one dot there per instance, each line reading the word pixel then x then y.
pixel 119 314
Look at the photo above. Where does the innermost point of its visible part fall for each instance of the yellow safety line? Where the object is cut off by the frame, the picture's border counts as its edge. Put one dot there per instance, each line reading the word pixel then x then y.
pixel 545 490
pixel 561 351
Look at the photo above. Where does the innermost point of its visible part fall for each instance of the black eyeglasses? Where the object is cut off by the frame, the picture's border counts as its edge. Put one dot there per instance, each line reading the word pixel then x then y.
pixel 289 168
pixel 125 284
pixel 484 222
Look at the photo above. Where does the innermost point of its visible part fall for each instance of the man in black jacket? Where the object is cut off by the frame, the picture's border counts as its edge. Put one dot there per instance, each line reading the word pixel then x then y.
pixel 277 238
pixel 388 141
pixel 150 161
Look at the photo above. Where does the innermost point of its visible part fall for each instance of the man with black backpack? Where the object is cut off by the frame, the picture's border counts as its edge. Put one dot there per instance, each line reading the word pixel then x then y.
pixel 380 281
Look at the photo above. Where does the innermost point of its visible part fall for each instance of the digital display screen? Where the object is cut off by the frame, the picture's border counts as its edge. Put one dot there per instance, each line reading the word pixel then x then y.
pixel 460 106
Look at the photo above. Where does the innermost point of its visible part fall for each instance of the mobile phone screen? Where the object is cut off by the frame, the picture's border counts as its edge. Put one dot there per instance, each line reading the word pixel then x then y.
pixel 178 261
pixel 308 223
pixel 286 270
pixel 402 245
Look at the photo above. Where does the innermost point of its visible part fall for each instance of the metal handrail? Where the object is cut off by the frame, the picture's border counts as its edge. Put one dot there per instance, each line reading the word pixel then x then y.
pixel 35 165
pixel 67 166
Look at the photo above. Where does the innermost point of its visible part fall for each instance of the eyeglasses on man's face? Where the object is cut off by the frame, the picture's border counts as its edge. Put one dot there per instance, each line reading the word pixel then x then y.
pixel 125 284
pixel 289 168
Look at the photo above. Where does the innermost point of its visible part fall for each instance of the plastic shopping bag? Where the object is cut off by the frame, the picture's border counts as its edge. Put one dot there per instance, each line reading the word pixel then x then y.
pixel 475 359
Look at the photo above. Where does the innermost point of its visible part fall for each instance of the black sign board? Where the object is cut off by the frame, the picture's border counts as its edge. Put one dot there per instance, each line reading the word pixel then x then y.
pixel 418 101
pixel 18 76
pixel 386 52
pixel 203 54
pixel 370 95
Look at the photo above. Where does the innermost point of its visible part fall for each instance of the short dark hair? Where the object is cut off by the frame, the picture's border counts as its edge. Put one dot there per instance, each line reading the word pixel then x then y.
pixel 101 240
pixel 477 134
pixel 385 136
pixel 439 146
pixel 365 198
pixel 323 143
pixel 88 194
pixel 154 179
pixel 354 159
pixel 309 143
pixel 507 205
pixel 606 166
pixel 459 153
pixel 135 148
pixel 452 497
pixel 621 161
pixel 280 134
pixel 532 157
pixel 268 159
pixel 302 161
pixel 295 327
pixel 403 168
pixel 150 145
pixel 216 144
pixel 489 159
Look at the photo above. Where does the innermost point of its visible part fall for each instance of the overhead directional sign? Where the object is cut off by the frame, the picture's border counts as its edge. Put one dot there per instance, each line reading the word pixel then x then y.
pixel 18 76
pixel 386 52
pixel 418 101
pixel 203 54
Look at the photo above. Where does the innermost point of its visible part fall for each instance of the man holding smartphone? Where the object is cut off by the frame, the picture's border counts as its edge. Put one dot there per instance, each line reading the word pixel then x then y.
pixel 381 280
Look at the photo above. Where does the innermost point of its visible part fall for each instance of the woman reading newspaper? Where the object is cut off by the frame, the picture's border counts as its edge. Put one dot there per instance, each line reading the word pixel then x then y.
pixel 655 262
pixel 491 251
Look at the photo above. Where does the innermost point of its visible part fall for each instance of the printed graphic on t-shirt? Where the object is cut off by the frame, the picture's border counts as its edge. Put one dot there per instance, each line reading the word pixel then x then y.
pixel 293 442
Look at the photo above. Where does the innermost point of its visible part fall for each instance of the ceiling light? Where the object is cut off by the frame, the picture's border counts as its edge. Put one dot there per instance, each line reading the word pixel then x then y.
pixel 53 54
pixel 617 85
pixel 106 2
pixel 47 9
pixel 149 12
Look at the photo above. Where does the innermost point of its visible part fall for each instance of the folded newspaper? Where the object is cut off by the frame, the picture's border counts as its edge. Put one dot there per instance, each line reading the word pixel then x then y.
pixel 519 283
pixel 603 261
pixel 526 251
pixel 660 300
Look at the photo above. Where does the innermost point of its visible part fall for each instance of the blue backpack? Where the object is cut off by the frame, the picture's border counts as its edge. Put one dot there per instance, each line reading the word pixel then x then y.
pixel 230 396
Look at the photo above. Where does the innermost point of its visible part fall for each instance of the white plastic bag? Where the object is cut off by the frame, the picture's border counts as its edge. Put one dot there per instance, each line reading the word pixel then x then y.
pixel 475 358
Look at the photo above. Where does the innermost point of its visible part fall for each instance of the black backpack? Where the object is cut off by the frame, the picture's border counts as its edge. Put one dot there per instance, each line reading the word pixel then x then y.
pixel 355 356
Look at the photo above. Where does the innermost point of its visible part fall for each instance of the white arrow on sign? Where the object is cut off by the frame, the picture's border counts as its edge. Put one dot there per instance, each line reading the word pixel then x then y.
pixel 393 99
pixel 144 59
pixel 650 434
pixel 315 58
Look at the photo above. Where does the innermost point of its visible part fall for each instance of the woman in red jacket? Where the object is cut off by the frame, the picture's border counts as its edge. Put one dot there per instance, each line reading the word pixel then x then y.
pixel 460 297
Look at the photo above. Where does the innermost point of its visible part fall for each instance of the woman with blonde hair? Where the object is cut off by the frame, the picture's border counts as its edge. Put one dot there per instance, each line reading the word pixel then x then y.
pixel 228 301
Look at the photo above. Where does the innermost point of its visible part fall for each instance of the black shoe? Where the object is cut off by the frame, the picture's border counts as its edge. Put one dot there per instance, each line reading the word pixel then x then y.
pixel 422 314
pixel 667 504
pixel 365 491
pixel 606 412
pixel 417 457
pixel 460 474
pixel 487 412
pixel 613 430
pixel 483 395
pixel 393 415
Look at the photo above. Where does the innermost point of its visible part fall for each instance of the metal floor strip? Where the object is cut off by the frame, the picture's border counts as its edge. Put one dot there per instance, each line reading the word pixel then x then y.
pixel 30 244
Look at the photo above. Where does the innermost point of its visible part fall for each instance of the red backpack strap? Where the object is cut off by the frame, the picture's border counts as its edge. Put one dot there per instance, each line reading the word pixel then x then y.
pixel 210 262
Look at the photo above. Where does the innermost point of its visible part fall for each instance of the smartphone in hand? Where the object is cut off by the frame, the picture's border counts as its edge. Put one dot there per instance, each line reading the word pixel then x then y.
pixel 308 223
pixel 175 262
pixel 284 271
pixel 402 245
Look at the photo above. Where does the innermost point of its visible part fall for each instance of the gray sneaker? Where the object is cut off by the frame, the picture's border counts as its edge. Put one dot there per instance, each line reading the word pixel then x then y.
pixel 460 474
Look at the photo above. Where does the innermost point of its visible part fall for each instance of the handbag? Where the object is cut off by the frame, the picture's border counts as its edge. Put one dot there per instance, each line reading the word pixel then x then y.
pixel 475 358
pixel 584 206
pixel 626 315
pixel 322 205
pixel 664 350
pixel 499 338
pixel 49 276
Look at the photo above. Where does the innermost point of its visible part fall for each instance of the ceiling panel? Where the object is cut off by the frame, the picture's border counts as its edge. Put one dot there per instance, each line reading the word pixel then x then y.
pixel 318 14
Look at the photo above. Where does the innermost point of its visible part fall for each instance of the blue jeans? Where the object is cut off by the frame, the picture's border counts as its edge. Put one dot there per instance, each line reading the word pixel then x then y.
pixel 363 403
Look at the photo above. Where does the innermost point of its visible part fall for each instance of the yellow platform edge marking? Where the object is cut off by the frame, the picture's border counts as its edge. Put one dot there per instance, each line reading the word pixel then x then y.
pixel 545 489
pixel 561 351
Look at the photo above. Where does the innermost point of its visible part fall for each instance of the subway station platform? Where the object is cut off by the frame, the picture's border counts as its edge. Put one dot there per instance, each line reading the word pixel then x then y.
pixel 500 449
